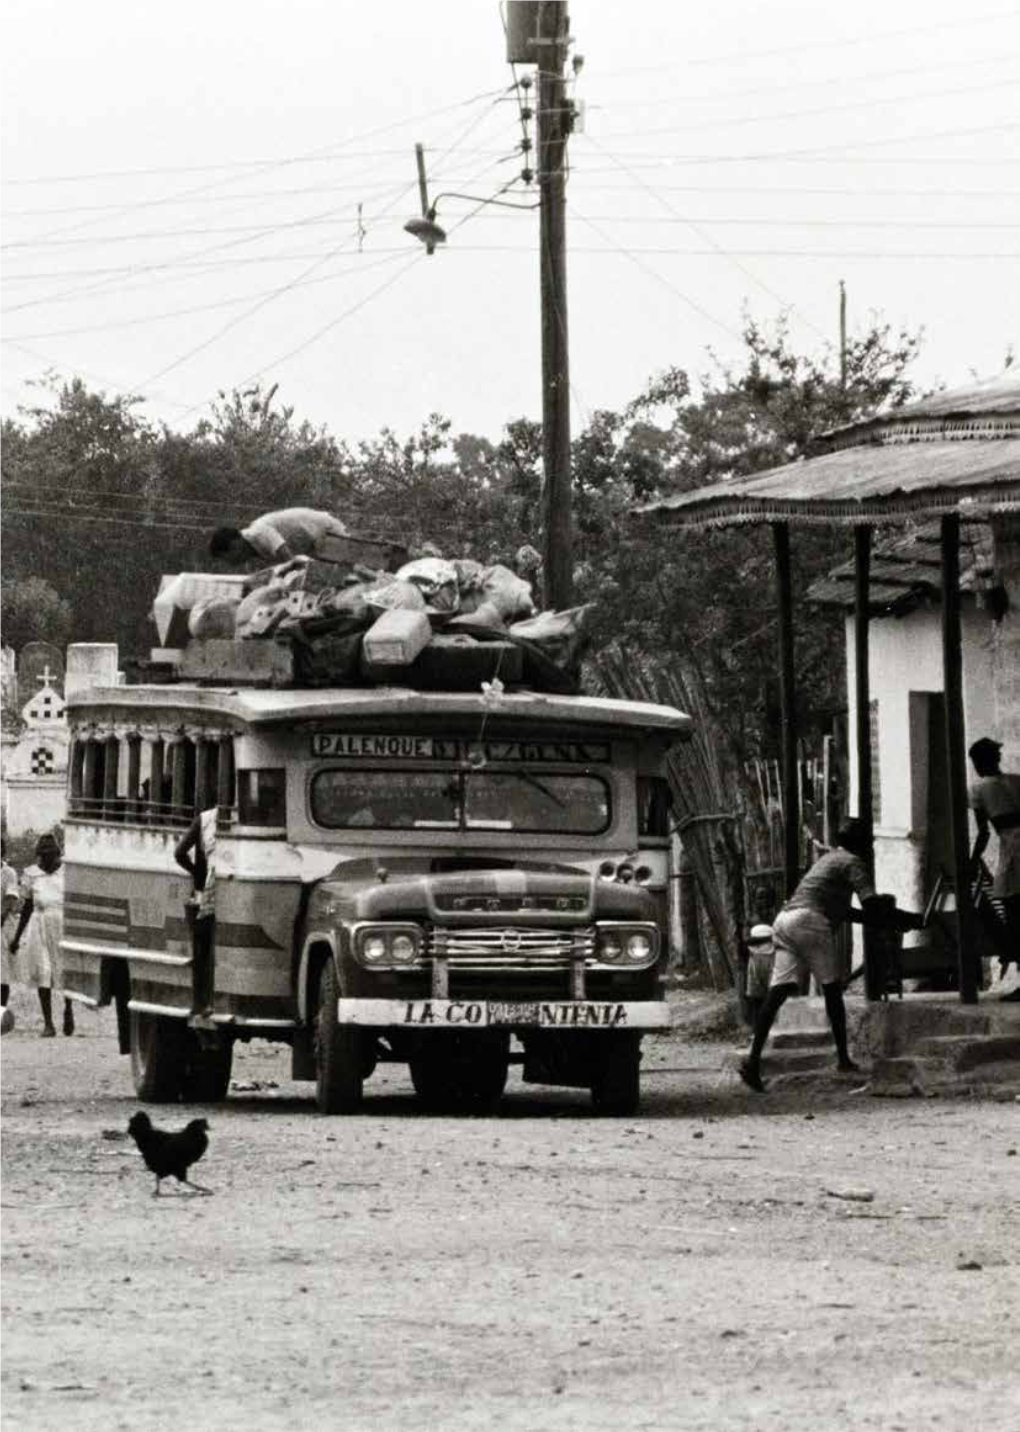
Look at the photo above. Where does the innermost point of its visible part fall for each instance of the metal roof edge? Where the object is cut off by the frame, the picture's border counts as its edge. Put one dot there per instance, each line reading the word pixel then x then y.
pixel 269 706
pixel 721 510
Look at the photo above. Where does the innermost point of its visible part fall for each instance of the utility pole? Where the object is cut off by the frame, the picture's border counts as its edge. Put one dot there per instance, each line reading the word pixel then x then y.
pixel 554 124
pixel 842 336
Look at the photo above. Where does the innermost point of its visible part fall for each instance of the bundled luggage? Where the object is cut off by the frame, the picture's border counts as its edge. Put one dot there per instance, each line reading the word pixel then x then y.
pixel 431 623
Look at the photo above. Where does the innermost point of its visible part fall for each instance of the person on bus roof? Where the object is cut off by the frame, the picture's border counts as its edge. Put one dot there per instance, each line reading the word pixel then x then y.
pixel 277 536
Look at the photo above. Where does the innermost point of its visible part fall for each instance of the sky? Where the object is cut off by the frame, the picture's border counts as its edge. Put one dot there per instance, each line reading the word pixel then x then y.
pixel 202 195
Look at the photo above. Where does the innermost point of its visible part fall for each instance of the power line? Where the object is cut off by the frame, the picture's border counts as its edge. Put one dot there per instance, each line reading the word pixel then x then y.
pixel 843 80
pixel 192 269
pixel 706 237
pixel 716 251
pixel 326 328
pixel 167 501
pixel 859 192
pixel 853 193
pixel 647 269
pixel 315 157
pixel 93 377
pixel 760 119
pixel 192 309
pixel 968 22
pixel 839 149
pixel 195 197
pixel 115 521
pixel 129 270
pixel 324 151
pixel 285 288
pixel 802 223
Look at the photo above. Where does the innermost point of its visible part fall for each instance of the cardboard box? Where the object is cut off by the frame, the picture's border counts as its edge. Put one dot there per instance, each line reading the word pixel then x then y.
pixel 396 638
pixel 178 593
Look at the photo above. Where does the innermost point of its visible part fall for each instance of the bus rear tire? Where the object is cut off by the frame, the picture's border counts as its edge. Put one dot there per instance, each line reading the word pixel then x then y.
pixel 158 1057
pixel 339 1056
pixel 207 1072
pixel 616 1084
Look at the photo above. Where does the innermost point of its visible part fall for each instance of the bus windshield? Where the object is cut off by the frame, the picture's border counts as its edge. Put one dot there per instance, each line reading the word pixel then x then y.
pixel 577 803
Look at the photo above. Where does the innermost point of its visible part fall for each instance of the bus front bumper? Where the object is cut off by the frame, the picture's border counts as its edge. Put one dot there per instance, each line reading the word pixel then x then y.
pixel 565 1015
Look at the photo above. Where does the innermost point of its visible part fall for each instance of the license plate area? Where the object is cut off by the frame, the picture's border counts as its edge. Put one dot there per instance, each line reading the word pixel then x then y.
pixel 565 1015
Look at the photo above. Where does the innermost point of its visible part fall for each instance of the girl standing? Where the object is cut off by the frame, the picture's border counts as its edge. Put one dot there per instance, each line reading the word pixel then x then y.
pixel 42 915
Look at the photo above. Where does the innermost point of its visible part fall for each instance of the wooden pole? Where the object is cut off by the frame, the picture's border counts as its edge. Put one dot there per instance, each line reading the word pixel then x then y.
pixel 952 666
pixel 862 674
pixel 842 336
pixel 553 129
pixel 787 706
pixel 876 976
pixel 691 952
pixel 423 188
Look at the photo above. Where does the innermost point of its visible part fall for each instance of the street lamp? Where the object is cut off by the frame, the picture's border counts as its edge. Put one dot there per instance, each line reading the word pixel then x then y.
pixel 430 233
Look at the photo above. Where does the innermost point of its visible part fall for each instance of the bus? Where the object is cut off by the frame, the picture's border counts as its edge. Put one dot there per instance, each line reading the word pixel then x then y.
pixel 455 881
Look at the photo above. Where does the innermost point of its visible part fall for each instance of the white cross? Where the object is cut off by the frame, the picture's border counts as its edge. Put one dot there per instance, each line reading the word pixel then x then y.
pixel 47 676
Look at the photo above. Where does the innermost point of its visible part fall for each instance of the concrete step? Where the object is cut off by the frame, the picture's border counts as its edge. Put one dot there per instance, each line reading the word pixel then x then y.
pixel 906 1069
pixel 795 1061
pixel 922 1076
pixel 787 1061
pixel 963 1052
pixel 801 1039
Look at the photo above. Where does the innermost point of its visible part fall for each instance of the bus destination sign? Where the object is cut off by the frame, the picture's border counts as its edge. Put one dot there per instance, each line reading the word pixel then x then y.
pixel 365 745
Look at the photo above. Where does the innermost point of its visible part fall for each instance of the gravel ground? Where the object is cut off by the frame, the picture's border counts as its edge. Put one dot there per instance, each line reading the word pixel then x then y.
pixel 814 1259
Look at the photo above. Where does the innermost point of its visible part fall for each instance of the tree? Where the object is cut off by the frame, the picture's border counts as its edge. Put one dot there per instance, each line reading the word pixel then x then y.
pixel 99 503
pixel 31 610
pixel 708 597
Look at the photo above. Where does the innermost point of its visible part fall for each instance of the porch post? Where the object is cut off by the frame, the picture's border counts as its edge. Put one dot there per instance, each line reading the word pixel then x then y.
pixel 952 667
pixel 788 707
pixel 875 974
pixel 862 671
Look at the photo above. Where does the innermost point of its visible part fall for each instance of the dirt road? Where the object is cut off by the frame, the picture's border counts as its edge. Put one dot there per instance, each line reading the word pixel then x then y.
pixel 694 1268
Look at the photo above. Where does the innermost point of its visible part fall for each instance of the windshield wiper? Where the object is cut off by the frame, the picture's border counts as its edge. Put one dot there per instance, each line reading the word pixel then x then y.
pixel 539 785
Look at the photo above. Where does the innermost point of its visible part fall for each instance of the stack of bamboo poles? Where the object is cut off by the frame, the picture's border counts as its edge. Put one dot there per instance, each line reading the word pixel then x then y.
pixel 706 800
pixel 820 807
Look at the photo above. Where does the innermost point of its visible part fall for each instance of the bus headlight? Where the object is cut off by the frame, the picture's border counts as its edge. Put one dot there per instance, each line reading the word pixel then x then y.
pixel 373 947
pixel 385 946
pixel 610 945
pixel 618 943
pixel 639 948
pixel 403 948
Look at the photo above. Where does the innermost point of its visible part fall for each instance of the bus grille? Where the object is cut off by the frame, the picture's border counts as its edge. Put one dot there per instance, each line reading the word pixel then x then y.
pixel 511 947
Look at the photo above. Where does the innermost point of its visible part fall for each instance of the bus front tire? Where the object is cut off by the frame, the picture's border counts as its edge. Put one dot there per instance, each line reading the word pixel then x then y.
pixel 339 1057
pixel 616 1083
pixel 158 1057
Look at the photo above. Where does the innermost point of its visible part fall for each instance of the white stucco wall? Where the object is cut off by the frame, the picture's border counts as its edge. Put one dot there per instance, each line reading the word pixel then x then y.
pixel 906 659
pixel 35 804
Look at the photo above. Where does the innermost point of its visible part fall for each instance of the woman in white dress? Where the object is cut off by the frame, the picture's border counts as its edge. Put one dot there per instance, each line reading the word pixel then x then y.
pixel 41 923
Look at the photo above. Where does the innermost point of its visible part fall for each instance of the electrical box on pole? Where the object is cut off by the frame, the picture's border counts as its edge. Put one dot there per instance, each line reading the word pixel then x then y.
pixel 522 33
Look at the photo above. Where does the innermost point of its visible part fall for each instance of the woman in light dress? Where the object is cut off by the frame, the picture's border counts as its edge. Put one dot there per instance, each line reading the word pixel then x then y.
pixel 41 923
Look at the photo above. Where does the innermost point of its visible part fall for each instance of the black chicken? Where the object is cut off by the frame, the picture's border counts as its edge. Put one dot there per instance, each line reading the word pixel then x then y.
pixel 166 1153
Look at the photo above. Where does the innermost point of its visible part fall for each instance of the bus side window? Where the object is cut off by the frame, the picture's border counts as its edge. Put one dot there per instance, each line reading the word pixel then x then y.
pixel 93 778
pixel 654 805
pixel 76 777
pixel 262 797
